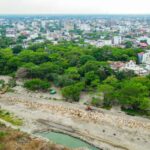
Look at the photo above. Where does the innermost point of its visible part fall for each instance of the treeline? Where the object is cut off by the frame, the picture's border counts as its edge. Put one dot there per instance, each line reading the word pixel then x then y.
pixel 78 68
pixel 131 94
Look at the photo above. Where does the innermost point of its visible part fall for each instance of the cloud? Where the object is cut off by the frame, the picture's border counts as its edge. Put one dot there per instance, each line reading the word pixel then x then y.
pixel 74 6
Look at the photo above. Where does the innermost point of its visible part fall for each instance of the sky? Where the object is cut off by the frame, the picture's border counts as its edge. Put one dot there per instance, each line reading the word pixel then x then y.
pixel 74 6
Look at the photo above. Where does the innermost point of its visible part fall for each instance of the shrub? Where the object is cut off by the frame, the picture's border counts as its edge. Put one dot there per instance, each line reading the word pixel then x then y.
pixel 72 92
pixel 96 102
pixel 5 115
pixel 37 84
pixel 2 134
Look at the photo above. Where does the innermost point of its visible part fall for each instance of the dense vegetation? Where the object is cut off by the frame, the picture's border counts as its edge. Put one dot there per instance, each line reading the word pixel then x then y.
pixel 131 94
pixel 36 84
pixel 79 68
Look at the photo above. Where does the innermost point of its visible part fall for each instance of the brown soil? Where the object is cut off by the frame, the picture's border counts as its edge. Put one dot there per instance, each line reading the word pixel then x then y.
pixel 15 140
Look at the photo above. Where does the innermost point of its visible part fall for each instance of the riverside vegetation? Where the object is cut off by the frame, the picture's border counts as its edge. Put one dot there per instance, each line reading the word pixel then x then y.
pixel 11 139
pixel 5 115
pixel 77 69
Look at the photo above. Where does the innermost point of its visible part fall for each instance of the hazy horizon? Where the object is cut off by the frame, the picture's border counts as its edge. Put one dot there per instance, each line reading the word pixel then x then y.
pixel 74 7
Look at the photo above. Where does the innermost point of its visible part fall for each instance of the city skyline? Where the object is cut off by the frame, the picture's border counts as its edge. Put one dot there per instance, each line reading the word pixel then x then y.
pixel 74 7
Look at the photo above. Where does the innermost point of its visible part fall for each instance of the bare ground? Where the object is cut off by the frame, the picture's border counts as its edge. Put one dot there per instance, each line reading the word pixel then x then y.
pixel 110 130
pixel 12 139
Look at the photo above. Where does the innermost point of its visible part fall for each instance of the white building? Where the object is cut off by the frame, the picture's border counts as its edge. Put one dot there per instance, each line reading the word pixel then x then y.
pixel 34 36
pixel 10 32
pixel 108 42
pixel 20 26
pixel 131 65
pixel 117 40
pixel 85 27
pixel 43 24
pixel 146 57
pixel 68 26
pixel 147 67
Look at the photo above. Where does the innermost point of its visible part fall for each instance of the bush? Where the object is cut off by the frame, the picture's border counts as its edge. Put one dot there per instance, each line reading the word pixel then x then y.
pixel 37 84
pixel 5 115
pixel 96 102
pixel 2 134
pixel 72 92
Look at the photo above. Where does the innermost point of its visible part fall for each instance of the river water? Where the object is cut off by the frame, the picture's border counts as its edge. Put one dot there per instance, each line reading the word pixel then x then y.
pixel 66 140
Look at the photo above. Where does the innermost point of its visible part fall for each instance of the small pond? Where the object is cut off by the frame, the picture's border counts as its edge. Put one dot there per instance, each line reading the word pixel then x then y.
pixel 66 140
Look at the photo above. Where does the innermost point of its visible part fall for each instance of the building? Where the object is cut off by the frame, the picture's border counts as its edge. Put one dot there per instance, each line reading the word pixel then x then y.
pixel 146 57
pixel 117 40
pixel 131 65
pixel 85 27
pixel 140 57
pixel 108 42
pixel 117 65
pixel 143 44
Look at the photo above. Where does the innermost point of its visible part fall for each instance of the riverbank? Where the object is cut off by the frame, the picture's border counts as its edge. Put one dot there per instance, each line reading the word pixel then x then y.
pixel 106 129
pixel 12 139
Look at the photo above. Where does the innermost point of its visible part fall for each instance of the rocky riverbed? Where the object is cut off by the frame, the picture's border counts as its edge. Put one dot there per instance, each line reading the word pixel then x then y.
pixel 104 129
pixel 109 130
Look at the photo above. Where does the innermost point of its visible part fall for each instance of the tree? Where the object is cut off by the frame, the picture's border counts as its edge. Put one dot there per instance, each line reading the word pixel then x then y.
pixel 63 80
pixel 5 55
pixel 86 58
pixel 13 63
pixel 72 92
pixel 6 42
pixel 36 46
pixel 89 66
pixel 128 44
pixel 17 49
pixel 96 102
pixel 37 84
pixel 45 70
pixel 111 80
pixel 91 79
pixel 108 93
pixel 34 57
pixel 124 74
pixel 131 94
pixel 145 104
pixel 72 73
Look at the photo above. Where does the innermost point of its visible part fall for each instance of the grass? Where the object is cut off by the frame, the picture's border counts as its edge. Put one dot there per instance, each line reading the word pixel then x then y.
pixel 2 134
pixel 2 146
pixel 5 115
